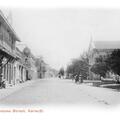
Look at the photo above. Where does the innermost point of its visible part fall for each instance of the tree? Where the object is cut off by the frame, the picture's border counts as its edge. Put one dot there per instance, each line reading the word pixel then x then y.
pixel 100 67
pixel 61 71
pixel 79 66
pixel 113 61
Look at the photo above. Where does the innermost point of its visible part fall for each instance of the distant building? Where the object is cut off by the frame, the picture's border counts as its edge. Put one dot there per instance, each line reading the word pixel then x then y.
pixel 33 68
pixel 97 48
pixel 41 67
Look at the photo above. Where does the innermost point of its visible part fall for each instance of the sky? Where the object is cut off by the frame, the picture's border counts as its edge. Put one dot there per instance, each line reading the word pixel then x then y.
pixel 60 34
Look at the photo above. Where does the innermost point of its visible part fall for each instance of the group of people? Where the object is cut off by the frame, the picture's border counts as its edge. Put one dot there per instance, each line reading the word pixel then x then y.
pixel 78 78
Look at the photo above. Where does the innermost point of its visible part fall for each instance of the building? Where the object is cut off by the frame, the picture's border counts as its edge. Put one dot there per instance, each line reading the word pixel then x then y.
pixel 8 40
pixel 41 67
pixel 97 48
pixel 15 66
pixel 28 61
pixel 19 67
pixel 33 68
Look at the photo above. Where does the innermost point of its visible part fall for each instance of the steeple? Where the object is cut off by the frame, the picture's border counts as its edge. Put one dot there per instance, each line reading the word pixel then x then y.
pixel 91 44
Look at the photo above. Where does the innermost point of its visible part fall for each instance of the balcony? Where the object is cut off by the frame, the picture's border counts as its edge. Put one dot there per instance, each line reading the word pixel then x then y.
pixel 6 45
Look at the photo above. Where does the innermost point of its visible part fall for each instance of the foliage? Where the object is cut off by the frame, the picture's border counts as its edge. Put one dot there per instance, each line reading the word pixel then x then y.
pixel 61 71
pixel 100 67
pixel 113 61
pixel 78 66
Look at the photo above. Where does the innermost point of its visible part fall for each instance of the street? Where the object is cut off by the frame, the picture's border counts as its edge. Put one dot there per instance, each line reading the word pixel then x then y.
pixel 57 91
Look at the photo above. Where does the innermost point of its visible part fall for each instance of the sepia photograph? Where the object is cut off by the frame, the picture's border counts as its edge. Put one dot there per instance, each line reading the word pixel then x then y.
pixel 59 56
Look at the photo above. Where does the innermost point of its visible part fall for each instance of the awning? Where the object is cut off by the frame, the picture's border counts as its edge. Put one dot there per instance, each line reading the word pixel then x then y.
pixel 6 52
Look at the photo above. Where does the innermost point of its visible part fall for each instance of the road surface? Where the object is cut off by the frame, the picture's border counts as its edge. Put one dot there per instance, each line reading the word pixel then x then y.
pixel 56 91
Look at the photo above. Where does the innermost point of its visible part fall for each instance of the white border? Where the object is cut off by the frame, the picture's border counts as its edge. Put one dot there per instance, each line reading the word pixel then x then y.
pixel 64 113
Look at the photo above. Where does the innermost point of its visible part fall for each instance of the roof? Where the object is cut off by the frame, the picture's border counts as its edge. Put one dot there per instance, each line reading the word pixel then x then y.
pixel 7 52
pixel 8 26
pixel 106 44
pixel 19 54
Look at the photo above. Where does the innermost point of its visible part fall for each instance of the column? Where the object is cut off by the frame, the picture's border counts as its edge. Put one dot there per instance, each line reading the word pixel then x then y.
pixel 1 71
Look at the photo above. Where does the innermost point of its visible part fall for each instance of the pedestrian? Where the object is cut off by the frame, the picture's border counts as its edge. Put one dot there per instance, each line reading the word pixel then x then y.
pixel 77 78
pixel 81 79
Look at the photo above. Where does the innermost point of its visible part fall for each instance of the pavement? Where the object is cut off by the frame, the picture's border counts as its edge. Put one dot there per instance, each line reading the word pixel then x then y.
pixel 102 95
pixel 58 92
pixel 8 91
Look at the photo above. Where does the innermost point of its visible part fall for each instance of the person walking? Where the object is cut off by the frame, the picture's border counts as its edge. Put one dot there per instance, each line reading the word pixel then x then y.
pixel 77 78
